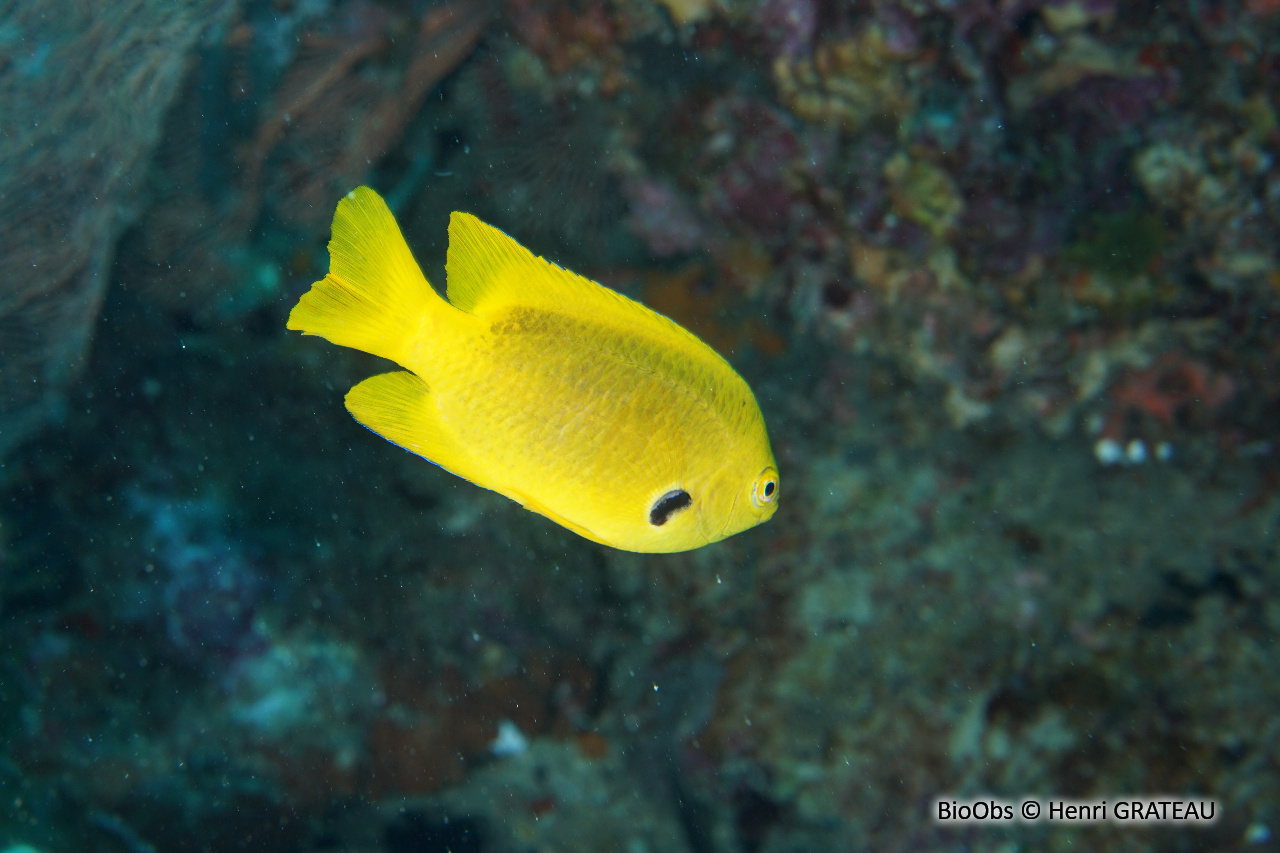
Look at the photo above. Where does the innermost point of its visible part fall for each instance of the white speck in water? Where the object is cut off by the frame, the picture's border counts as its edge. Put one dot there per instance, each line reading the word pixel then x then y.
pixel 1108 451
pixel 1136 452
pixel 510 740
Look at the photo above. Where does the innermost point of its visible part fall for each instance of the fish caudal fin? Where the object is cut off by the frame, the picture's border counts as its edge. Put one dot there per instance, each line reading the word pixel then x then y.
pixel 375 297
pixel 398 407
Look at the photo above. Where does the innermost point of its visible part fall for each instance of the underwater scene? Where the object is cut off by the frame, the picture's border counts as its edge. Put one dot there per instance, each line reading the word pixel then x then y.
pixel 653 426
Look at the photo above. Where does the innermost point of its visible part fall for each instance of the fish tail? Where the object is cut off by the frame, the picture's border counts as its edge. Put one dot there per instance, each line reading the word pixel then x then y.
pixel 375 297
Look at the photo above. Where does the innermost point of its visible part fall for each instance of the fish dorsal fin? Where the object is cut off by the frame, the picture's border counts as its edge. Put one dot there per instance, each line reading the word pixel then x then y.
pixel 489 271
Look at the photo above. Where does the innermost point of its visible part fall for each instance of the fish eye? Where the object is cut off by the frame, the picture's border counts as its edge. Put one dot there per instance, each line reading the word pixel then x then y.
pixel 765 490
pixel 667 505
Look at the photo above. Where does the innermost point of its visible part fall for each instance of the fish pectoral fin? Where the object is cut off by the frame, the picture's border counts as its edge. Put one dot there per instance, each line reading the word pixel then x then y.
pixel 534 506
pixel 398 407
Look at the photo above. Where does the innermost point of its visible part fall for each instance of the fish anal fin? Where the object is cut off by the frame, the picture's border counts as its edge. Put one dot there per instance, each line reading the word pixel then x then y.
pixel 398 407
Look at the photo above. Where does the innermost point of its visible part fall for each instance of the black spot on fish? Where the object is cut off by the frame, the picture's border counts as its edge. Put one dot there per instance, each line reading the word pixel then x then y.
pixel 667 505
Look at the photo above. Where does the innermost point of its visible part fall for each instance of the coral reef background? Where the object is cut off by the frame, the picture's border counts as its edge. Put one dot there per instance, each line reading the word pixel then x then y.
pixel 83 95
pixel 1005 279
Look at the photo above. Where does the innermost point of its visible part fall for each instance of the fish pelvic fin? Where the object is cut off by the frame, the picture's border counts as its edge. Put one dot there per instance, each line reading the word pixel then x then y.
pixel 375 297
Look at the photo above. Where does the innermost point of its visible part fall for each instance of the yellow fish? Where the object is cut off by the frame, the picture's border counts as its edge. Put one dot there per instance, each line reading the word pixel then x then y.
pixel 544 386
